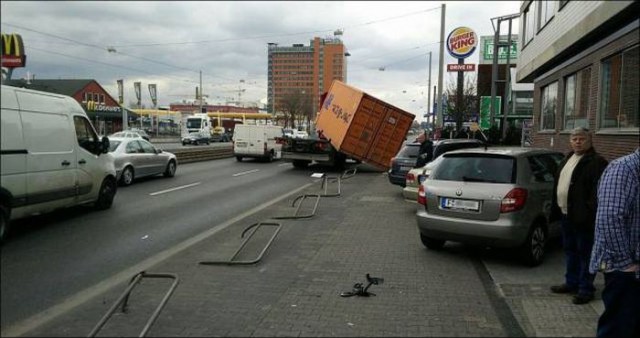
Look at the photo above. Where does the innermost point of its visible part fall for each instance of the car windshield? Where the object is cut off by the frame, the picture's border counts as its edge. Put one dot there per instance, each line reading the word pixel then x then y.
pixel 410 151
pixel 113 145
pixel 194 123
pixel 474 168
pixel 118 134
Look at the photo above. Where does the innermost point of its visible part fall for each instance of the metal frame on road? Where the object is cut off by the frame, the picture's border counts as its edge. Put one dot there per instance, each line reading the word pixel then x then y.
pixel 256 226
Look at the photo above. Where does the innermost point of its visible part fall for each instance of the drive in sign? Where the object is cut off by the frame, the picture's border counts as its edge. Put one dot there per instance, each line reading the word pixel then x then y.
pixel 465 67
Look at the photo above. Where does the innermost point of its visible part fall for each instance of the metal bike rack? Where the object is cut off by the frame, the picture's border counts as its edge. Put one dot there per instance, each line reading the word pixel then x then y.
pixel 325 185
pixel 256 226
pixel 348 173
pixel 124 298
pixel 302 198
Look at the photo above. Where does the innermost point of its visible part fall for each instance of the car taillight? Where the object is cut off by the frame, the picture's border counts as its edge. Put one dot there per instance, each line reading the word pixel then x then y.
pixel 321 146
pixel 422 196
pixel 391 161
pixel 410 178
pixel 514 200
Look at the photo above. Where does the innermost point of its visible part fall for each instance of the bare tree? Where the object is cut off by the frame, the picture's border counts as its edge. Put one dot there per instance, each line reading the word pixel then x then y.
pixel 463 112
pixel 295 105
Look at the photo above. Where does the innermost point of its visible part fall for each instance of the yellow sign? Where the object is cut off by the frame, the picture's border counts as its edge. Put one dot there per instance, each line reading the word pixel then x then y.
pixel 13 51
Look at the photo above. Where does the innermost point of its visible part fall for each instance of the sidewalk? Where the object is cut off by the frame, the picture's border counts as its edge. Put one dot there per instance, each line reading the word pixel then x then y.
pixel 295 289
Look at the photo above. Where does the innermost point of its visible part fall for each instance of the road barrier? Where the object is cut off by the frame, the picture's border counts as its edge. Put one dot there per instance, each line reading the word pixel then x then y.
pixel 204 153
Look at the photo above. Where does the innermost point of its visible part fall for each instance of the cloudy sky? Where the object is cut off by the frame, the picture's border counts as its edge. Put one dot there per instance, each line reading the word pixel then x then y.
pixel 169 43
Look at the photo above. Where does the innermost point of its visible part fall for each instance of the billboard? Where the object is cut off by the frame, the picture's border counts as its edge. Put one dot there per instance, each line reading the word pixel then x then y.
pixel 13 51
pixel 486 49
pixel 462 42
pixel 485 110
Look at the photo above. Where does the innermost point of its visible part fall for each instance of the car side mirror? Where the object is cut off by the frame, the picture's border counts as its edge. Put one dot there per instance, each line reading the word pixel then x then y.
pixel 105 145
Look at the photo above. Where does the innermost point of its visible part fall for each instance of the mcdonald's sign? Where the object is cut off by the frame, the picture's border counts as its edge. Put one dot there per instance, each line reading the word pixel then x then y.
pixel 13 51
pixel 97 107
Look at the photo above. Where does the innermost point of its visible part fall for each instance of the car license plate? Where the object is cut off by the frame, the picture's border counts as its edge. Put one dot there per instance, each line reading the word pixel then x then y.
pixel 452 203
pixel 241 144
pixel 421 178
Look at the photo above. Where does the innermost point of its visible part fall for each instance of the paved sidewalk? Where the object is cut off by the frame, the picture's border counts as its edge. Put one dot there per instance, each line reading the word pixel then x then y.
pixel 295 289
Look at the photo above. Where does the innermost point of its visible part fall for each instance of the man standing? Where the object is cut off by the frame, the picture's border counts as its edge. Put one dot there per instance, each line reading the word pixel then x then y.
pixel 616 250
pixel 425 153
pixel 575 200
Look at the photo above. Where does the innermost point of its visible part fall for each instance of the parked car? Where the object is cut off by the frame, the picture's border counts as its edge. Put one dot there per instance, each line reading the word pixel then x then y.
pixel 416 176
pixel 135 158
pixel 142 133
pixel 407 157
pixel 300 134
pixel 498 197
pixel 404 161
pixel 287 132
pixel 129 134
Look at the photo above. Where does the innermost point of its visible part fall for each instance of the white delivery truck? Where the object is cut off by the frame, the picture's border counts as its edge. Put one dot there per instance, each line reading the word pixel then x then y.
pixel 257 141
pixel 197 129
pixel 50 156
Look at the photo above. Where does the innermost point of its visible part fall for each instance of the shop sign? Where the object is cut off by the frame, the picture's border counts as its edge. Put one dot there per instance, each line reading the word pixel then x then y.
pixel 465 67
pixel 462 42
pixel 13 51
pixel 98 107
pixel 502 51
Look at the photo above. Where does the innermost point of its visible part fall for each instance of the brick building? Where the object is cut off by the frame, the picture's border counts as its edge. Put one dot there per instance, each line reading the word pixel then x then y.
pixel 305 69
pixel 583 59
pixel 102 109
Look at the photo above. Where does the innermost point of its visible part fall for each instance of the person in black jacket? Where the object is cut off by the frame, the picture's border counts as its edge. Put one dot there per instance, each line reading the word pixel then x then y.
pixel 574 202
pixel 425 153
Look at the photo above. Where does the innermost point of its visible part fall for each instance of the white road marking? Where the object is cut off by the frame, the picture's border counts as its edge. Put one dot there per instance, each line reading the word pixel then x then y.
pixel 246 172
pixel 124 276
pixel 283 164
pixel 174 189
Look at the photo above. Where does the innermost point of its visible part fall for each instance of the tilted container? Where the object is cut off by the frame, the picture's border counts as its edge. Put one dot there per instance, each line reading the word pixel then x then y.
pixel 362 126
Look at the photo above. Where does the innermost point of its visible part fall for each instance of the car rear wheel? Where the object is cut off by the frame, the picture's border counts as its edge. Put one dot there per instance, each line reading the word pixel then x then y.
pixel 107 194
pixel 171 169
pixel 301 163
pixel 239 158
pixel 432 243
pixel 533 249
pixel 127 176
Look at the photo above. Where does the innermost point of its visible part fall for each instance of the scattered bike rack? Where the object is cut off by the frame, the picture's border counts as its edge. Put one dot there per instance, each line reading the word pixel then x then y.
pixel 124 298
pixel 302 198
pixel 349 173
pixel 325 185
pixel 255 226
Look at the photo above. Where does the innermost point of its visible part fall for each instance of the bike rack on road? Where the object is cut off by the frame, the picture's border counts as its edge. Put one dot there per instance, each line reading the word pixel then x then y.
pixel 348 173
pixel 124 298
pixel 301 198
pixel 256 226
pixel 325 185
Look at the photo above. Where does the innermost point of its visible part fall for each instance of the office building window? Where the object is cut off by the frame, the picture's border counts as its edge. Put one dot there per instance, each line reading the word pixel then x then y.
pixel 546 10
pixel 523 103
pixel 548 106
pixel 576 99
pixel 619 91
pixel 529 27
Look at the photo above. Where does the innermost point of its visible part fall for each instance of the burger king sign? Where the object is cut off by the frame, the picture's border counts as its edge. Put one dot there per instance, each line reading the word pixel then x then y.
pixel 462 42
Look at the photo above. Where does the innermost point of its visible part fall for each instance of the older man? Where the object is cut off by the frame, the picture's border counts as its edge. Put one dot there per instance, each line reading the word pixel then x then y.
pixel 575 200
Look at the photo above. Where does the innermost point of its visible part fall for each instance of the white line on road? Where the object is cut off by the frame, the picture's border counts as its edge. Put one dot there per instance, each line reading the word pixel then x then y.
pixel 174 189
pixel 283 164
pixel 246 172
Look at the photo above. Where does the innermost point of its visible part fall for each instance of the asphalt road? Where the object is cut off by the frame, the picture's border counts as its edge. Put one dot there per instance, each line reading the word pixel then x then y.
pixel 51 257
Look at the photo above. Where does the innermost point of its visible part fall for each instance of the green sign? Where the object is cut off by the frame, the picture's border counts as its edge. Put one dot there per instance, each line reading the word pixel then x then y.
pixel 485 110
pixel 502 51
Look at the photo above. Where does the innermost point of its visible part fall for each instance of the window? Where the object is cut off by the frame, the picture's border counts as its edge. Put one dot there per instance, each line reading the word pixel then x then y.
pixel 87 137
pixel 529 27
pixel 576 100
pixel 102 98
pixel 87 97
pixel 523 103
pixel 619 91
pixel 133 148
pixel 548 106
pixel 545 10
pixel 96 97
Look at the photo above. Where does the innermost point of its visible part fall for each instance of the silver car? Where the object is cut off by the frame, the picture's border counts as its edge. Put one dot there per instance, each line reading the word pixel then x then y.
pixel 498 196
pixel 135 158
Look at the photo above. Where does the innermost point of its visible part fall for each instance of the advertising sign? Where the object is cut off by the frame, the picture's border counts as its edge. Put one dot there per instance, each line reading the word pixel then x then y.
pixel 136 86
pixel 120 92
pixel 485 110
pixel 94 106
pixel 13 51
pixel 153 93
pixel 486 43
pixel 462 42
pixel 465 67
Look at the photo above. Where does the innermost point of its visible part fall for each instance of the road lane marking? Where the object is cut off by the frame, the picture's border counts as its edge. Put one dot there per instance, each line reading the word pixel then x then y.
pixel 174 189
pixel 246 172
pixel 283 164
pixel 124 276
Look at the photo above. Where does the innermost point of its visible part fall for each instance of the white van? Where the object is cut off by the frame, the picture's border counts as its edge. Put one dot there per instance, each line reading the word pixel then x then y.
pixel 51 156
pixel 257 141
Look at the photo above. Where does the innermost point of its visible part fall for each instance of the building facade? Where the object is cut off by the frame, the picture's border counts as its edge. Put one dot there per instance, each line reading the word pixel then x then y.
pixel 307 70
pixel 102 109
pixel 582 57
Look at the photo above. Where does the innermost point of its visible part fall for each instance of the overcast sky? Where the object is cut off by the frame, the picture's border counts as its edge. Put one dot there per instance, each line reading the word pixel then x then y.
pixel 168 43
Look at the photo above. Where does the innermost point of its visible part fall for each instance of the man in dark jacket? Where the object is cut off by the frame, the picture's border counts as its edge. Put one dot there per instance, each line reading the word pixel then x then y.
pixel 425 153
pixel 574 201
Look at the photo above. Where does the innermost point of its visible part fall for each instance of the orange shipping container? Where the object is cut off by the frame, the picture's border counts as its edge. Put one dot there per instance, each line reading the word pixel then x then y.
pixel 362 126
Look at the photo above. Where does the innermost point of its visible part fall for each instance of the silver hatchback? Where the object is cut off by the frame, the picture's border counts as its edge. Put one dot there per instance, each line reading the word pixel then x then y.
pixel 499 196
